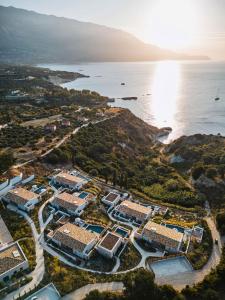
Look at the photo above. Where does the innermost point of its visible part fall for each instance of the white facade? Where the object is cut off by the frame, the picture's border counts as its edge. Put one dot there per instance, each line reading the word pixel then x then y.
pixel 77 212
pixel 85 254
pixel 109 253
pixel 113 203
pixel 20 267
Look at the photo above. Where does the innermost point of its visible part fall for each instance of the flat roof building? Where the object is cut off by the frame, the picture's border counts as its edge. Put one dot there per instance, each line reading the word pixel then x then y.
pixel 109 244
pixel 111 199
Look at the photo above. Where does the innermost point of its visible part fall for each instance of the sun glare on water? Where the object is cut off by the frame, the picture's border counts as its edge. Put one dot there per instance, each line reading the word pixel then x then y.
pixel 165 92
pixel 172 24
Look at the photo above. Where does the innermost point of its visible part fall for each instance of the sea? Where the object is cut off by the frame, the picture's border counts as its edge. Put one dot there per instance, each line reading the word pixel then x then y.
pixel 175 94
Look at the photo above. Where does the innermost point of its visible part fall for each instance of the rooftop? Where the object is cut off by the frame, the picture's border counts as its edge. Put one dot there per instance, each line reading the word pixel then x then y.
pixel 109 241
pixel 11 257
pixel 66 178
pixel 5 236
pixel 74 236
pixel 21 195
pixel 111 197
pixel 163 231
pixel 134 209
pixel 68 201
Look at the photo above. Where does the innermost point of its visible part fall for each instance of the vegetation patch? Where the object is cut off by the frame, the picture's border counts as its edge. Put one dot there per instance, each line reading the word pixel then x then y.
pixel 129 258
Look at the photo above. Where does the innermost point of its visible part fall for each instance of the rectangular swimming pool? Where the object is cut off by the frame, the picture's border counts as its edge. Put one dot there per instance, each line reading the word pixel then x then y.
pixel 83 195
pixel 49 292
pixel 171 226
pixel 171 266
pixel 95 228
pixel 121 232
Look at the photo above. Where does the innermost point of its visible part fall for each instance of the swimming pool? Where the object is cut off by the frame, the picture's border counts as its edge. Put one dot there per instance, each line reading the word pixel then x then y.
pixel 96 228
pixel 49 292
pixel 171 226
pixel 171 266
pixel 83 195
pixel 121 232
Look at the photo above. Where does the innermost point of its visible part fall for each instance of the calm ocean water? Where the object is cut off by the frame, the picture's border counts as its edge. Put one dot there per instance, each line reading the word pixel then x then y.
pixel 176 94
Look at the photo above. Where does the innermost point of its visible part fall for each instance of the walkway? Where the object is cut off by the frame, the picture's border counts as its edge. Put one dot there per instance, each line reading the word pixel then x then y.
pixel 80 294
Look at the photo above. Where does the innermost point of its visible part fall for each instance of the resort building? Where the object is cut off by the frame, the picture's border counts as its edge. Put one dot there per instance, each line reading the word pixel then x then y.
pixel 22 198
pixel 109 244
pixel 74 240
pixel 5 236
pixel 162 236
pixel 69 181
pixel 71 204
pixel 12 260
pixel 111 199
pixel 133 211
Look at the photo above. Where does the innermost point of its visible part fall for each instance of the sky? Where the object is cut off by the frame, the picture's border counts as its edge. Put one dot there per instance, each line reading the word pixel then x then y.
pixel 190 26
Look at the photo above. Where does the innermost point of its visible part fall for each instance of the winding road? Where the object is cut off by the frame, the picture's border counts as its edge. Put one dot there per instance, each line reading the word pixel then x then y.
pixel 38 273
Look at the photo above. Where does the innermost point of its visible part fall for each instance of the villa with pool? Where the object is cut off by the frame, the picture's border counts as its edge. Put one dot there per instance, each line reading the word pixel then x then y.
pixel 163 236
pixel 132 211
pixel 22 198
pixel 71 204
pixel 67 180
pixel 74 240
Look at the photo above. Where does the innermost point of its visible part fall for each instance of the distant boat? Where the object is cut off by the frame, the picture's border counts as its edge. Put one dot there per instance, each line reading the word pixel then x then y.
pixel 217 98
pixel 122 83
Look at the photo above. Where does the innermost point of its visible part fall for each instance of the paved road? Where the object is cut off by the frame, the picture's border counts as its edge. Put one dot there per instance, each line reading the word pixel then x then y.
pixel 38 273
pixel 191 278
pixel 80 294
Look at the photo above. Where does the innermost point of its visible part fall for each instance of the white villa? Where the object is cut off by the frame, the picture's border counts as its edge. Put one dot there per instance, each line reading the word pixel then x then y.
pixel 111 199
pixel 109 244
pixel 5 236
pixel 72 204
pixel 161 235
pixel 74 240
pixel 12 260
pixel 134 211
pixel 22 198
pixel 67 180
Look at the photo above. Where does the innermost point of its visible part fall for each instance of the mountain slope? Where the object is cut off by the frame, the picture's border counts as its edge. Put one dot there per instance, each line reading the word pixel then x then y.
pixel 32 37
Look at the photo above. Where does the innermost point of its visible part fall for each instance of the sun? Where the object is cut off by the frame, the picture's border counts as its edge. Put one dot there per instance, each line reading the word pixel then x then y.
pixel 172 24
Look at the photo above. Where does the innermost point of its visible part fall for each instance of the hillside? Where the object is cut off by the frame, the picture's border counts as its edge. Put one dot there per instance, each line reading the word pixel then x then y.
pixel 203 158
pixel 123 152
pixel 30 37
